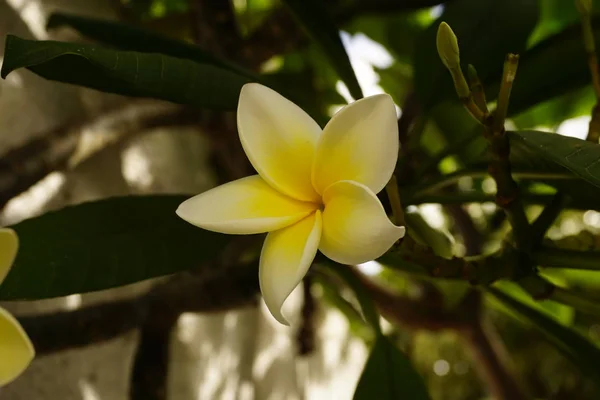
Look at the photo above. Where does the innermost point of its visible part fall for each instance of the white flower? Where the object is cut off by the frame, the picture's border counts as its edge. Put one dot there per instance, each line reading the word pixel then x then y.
pixel 315 190
pixel 16 350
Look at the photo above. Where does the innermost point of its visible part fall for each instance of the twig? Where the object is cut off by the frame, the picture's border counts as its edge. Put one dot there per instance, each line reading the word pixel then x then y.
pixel 477 89
pixel 544 221
pixel 507 194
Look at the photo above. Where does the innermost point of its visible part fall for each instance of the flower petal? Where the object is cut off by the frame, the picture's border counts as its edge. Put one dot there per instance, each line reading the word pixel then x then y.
pixel 246 206
pixel 16 350
pixel 279 139
pixel 9 244
pixel 286 256
pixel 356 228
pixel 360 144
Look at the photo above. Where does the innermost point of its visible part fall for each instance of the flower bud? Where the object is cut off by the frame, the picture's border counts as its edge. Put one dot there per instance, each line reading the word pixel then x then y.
pixel 447 46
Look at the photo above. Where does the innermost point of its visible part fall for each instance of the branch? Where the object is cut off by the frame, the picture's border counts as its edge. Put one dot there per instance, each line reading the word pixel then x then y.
pixel 58 148
pixel 417 259
pixel 210 289
pixel 491 357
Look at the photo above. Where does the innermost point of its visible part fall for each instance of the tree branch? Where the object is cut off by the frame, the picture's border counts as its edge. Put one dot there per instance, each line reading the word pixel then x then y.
pixel 210 289
pixel 467 319
pixel 56 149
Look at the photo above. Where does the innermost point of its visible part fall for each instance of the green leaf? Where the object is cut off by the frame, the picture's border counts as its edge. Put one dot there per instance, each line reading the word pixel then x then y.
pixel 552 113
pixel 389 375
pixel 571 344
pixel 484 39
pixel 321 27
pixel 128 37
pixel 104 244
pixel 362 295
pixel 439 240
pixel 580 157
pixel 535 82
pixel 126 72
pixel 560 312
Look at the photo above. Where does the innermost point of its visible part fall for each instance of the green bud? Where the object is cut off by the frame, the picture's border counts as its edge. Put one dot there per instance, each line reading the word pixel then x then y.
pixel 584 7
pixel 472 74
pixel 447 46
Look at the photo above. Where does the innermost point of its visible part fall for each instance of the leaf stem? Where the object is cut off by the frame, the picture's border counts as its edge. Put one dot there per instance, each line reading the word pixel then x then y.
pixel 569 259
pixel 507 193
pixel 511 64
pixel 549 214
pixel 445 180
pixel 394 196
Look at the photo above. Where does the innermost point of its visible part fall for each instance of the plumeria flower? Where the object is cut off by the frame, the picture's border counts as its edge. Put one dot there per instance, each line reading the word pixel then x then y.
pixel 16 350
pixel 315 189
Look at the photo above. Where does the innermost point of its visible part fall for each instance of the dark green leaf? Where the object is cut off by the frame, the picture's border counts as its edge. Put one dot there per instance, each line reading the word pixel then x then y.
pixel 535 82
pixel 103 244
pixel 574 346
pixel 580 157
pixel 552 113
pixel 389 375
pixel 128 37
pixel 126 72
pixel 484 40
pixel 321 27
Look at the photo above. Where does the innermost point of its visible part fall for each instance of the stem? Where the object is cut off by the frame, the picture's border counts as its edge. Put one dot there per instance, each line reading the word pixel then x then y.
pixel 477 89
pixel 445 180
pixel 465 95
pixel 545 220
pixel 569 259
pixel 394 195
pixel 590 48
pixel 471 197
pixel 507 194
pixel 508 76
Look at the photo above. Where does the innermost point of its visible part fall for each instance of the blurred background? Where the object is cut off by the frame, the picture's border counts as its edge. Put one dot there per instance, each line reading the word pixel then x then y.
pixel 74 144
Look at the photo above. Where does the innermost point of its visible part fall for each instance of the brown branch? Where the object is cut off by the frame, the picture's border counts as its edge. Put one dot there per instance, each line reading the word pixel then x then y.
pixel 467 319
pixel 210 289
pixel 78 328
pixel 54 150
